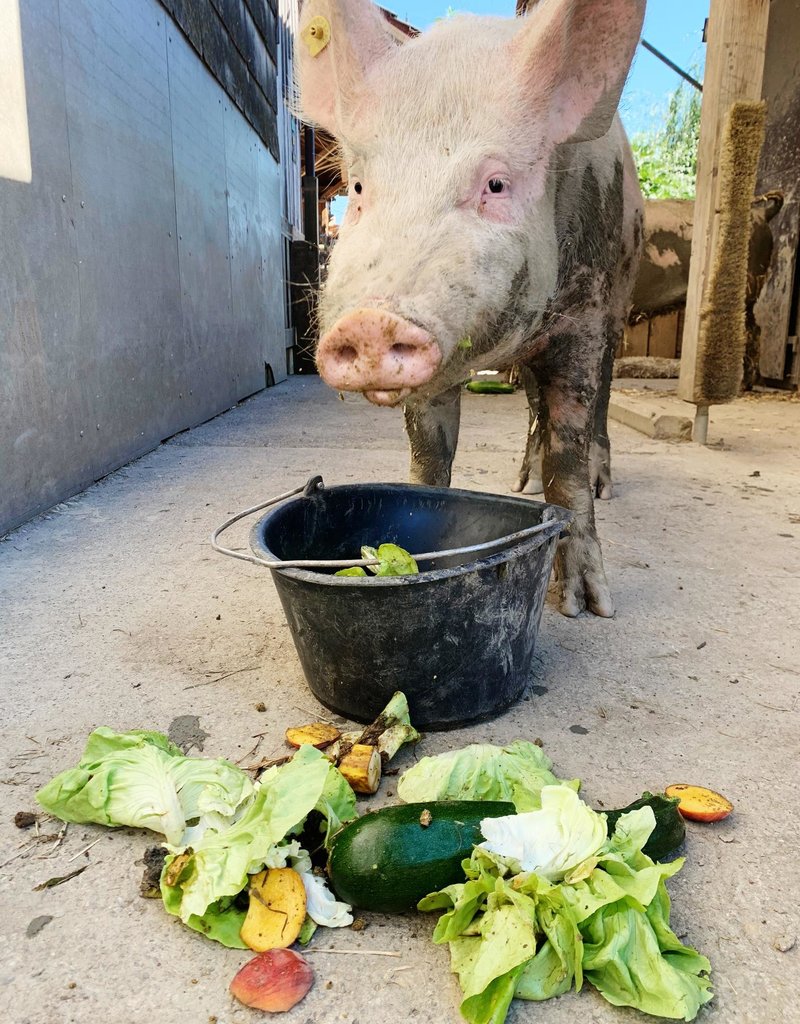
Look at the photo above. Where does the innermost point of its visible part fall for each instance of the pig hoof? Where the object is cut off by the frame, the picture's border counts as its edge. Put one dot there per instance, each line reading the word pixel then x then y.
pixel 599 600
pixel 586 592
pixel 527 484
pixel 600 472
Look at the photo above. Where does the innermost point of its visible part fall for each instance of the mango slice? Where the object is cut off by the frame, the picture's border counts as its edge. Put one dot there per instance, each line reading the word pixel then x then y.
pixel 318 734
pixel 277 910
pixel 698 803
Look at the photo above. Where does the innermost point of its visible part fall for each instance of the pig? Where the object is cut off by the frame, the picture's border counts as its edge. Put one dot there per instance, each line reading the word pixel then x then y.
pixel 495 218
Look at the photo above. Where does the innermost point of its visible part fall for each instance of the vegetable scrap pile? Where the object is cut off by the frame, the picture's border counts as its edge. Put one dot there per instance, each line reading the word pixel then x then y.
pixel 239 864
pixel 538 892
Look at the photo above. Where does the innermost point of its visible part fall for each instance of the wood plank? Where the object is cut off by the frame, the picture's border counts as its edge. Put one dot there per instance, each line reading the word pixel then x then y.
pixel 780 171
pixel 737 36
pixel 664 336
pixel 635 343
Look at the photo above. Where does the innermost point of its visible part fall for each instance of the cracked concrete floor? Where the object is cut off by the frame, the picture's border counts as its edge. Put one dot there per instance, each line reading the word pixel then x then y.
pixel 113 610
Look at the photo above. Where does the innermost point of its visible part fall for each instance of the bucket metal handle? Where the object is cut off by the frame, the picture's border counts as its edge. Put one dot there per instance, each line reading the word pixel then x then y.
pixel 316 484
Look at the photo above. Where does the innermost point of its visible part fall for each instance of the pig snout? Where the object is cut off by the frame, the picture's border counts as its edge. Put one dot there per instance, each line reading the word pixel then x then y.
pixel 378 353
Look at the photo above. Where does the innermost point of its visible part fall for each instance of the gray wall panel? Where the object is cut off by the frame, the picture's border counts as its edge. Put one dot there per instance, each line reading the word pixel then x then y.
pixel 118 108
pixel 145 300
pixel 42 407
pixel 273 270
pixel 256 253
pixel 203 246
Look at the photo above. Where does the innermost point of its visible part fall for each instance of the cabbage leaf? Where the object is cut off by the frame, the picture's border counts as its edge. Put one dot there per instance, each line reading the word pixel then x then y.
pixel 553 841
pixel 517 772
pixel 142 780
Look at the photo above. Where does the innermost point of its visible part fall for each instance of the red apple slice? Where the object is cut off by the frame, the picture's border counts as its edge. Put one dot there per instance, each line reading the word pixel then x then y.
pixel 274 981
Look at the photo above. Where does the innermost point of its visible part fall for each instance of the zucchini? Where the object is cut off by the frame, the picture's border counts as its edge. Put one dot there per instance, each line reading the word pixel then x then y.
pixel 490 387
pixel 670 830
pixel 389 859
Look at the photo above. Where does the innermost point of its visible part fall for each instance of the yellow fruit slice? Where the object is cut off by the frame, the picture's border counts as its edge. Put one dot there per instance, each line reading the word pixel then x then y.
pixel 318 734
pixel 362 768
pixel 699 804
pixel 277 910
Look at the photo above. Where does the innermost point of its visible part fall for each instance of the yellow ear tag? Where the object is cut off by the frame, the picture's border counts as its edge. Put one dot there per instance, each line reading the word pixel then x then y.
pixel 316 35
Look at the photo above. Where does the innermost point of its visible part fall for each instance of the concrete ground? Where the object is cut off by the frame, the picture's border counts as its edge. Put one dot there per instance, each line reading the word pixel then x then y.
pixel 114 610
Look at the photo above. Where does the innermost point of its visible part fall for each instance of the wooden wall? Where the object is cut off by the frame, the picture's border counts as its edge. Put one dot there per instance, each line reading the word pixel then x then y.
pixel 659 336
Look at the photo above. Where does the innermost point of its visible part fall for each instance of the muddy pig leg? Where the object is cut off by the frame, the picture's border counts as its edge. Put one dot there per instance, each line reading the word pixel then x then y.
pixel 433 435
pixel 529 480
pixel 567 422
pixel 600 452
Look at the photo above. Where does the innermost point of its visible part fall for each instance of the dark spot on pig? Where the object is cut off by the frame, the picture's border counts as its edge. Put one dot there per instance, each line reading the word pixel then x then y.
pixel 579 730
pixel 512 317
pixel 638 229
pixel 540 691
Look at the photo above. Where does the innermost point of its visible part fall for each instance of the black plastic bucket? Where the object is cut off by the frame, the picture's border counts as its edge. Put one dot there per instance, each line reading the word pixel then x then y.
pixel 458 639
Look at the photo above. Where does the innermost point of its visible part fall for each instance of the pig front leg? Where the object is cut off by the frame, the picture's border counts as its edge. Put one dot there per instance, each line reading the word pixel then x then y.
pixel 432 429
pixel 567 422
pixel 600 453
pixel 529 480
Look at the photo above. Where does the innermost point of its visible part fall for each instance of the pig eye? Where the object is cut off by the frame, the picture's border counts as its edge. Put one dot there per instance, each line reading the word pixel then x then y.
pixel 497 186
pixel 358 188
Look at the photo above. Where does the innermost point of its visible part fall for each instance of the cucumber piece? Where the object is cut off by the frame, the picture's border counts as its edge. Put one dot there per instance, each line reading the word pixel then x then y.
pixel 670 830
pixel 390 859
pixel 490 387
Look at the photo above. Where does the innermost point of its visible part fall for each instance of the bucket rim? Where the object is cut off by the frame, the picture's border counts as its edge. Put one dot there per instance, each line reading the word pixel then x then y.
pixel 561 518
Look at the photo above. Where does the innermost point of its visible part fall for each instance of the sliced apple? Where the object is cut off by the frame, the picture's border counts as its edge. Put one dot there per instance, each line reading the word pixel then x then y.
pixel 318 734
pixel 277 910
pixel 698 803
pixel 274 981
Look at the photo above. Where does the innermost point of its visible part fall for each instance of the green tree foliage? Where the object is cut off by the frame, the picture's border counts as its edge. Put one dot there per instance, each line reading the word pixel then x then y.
pixel 667 156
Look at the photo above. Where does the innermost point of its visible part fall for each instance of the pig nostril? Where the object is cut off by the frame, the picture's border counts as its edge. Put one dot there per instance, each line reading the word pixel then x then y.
pixel 401 351
pixel 346 354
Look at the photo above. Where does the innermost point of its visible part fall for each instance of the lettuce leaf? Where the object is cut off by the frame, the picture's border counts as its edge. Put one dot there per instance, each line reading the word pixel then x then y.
pixel 635 959
pixel 517 772
pixel 321 905
pixel 337 803
pixel 603 917
pixel 392 561
pixel 221 922
pixel 142 780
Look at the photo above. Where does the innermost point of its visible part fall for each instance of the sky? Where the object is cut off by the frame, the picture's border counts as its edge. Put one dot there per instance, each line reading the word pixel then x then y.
pixel 673 26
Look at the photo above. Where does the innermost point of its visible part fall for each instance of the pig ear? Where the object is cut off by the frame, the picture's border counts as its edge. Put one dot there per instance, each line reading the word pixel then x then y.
pixel 576 55
pixel 337 43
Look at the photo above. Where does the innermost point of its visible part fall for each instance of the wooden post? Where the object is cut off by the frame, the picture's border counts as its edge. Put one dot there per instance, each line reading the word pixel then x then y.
pixel 737 38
